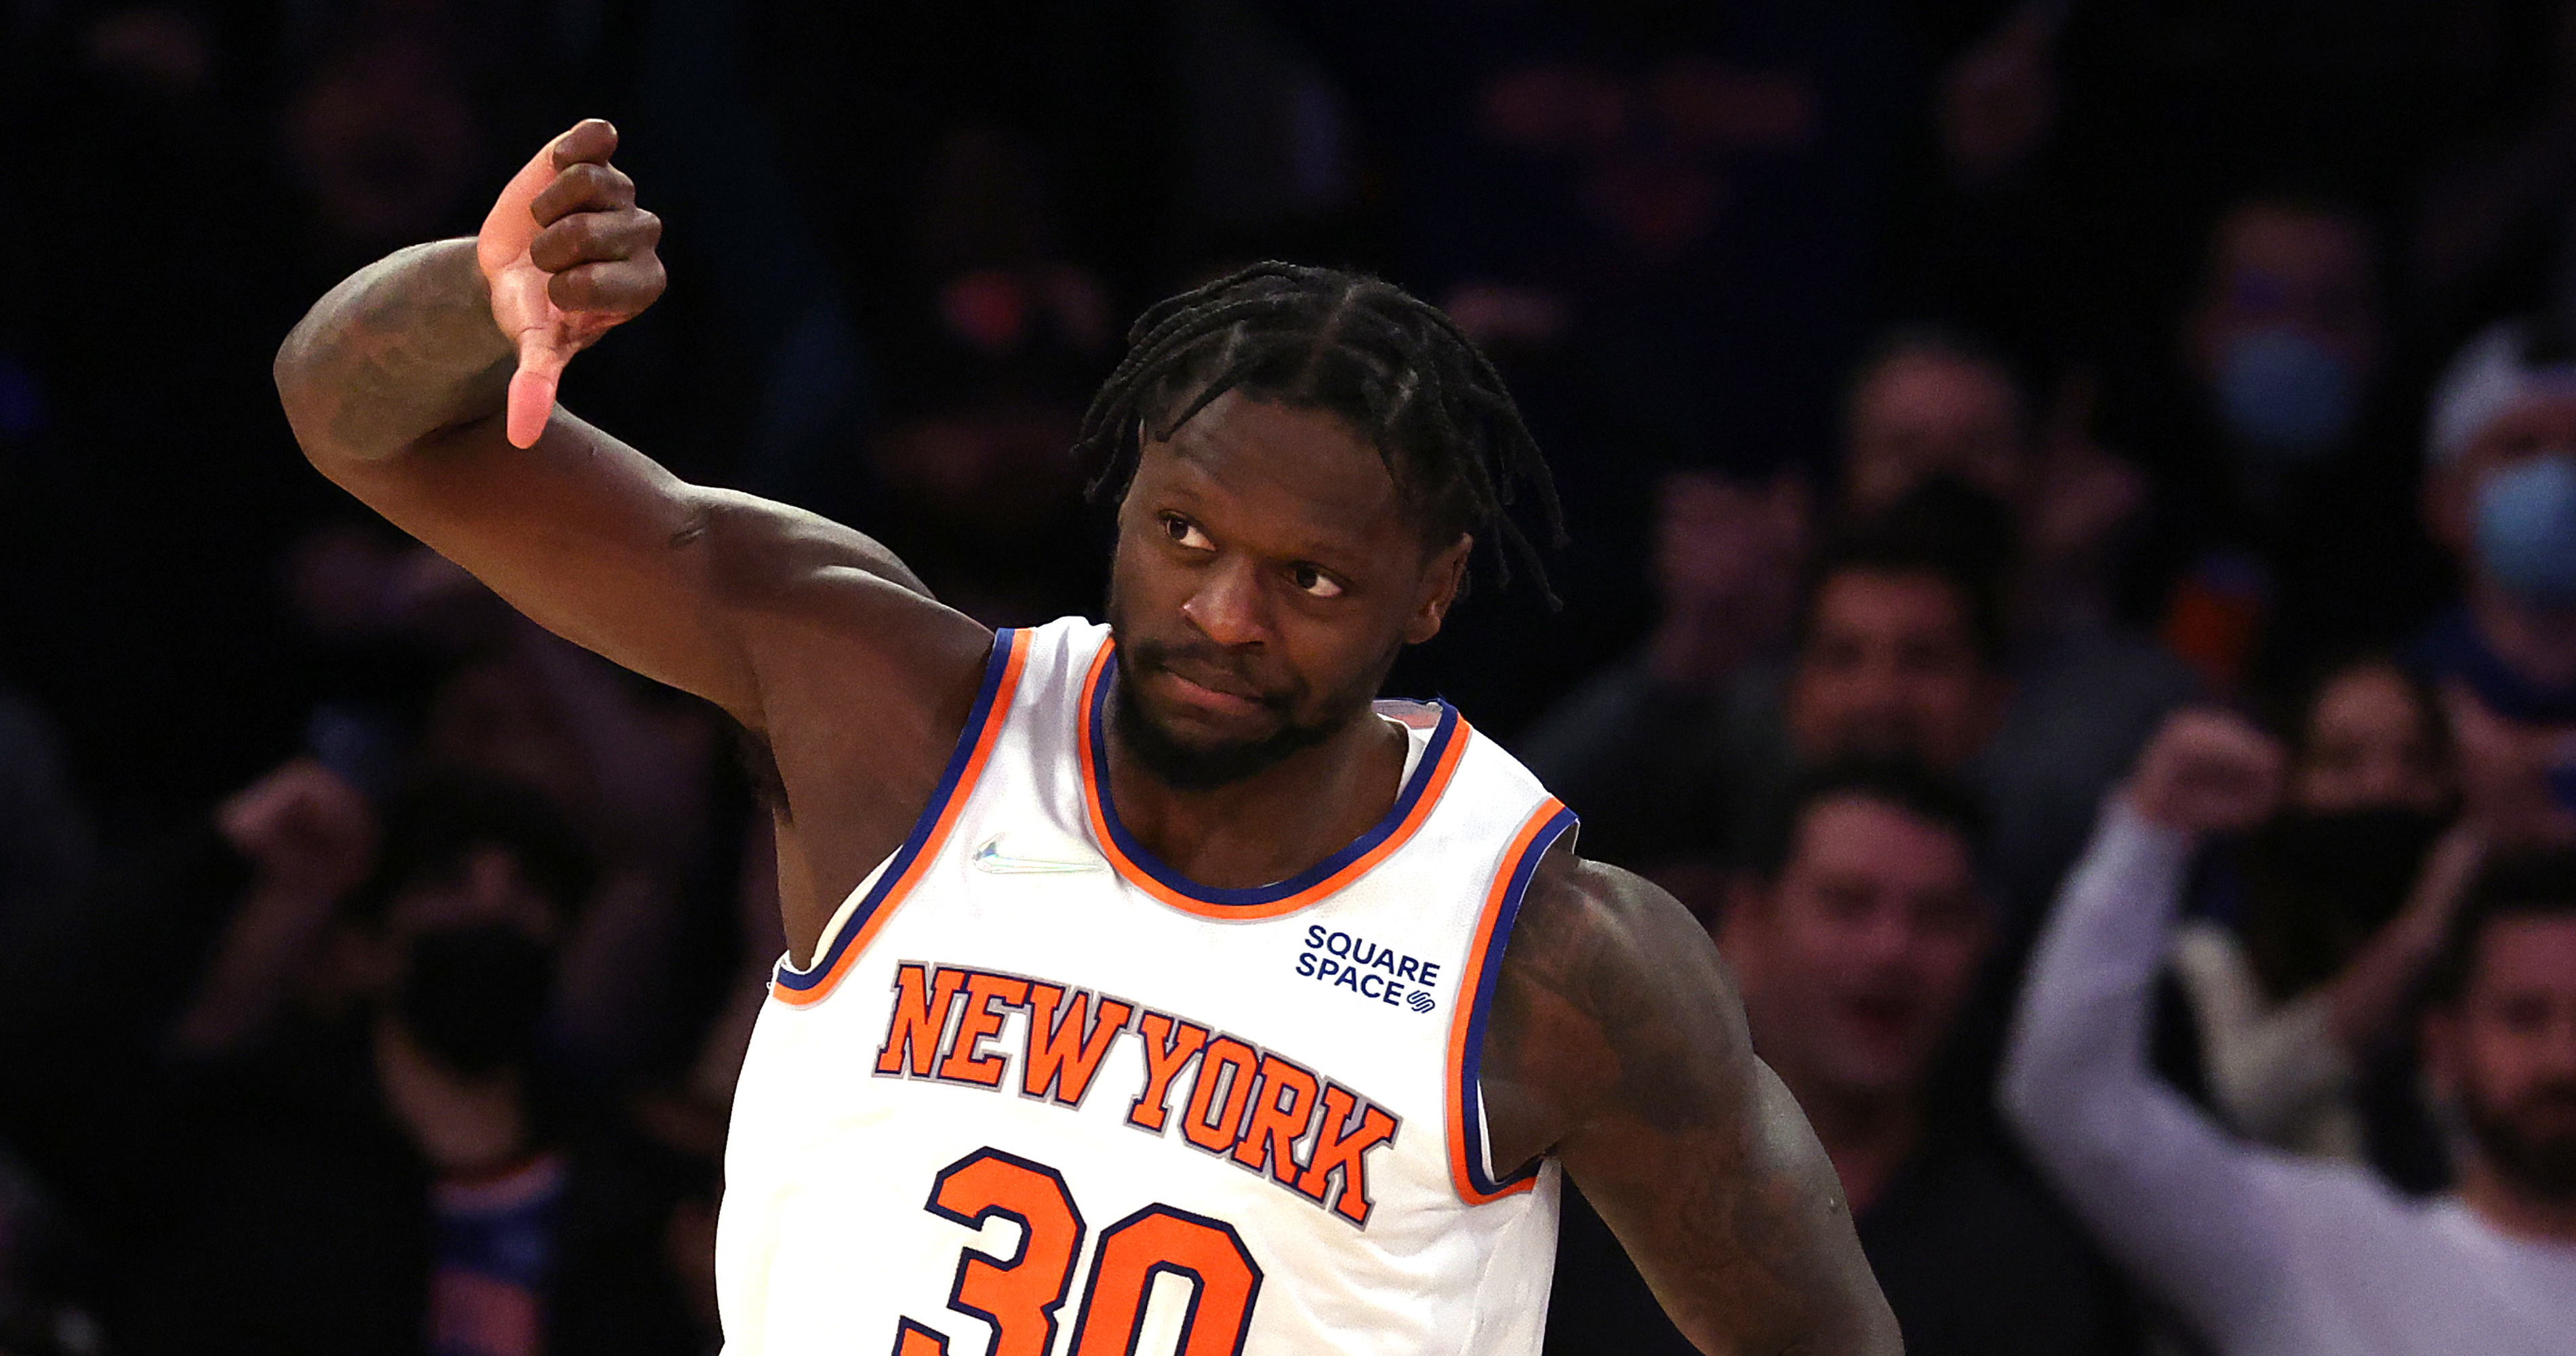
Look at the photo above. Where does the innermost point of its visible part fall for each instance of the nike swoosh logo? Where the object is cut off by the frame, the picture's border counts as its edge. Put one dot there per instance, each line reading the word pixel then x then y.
pixel 990 857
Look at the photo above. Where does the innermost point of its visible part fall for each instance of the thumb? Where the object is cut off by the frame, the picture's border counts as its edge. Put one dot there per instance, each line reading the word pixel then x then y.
pixel 510 225
pixel 532 388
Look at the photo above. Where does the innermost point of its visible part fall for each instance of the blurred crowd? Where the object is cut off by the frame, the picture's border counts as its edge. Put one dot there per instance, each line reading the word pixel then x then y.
pixel 2072 577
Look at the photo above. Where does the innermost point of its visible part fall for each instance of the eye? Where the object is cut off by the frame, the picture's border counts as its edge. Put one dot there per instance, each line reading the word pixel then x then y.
pixel 1185 533
pixel 1313 582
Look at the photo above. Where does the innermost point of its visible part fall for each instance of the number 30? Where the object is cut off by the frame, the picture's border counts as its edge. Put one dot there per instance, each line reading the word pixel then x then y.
pixel 1019 1295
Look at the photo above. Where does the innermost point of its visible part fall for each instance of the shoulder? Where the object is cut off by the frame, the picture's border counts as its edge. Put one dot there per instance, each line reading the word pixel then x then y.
pixel 1610 1002
pixel 1601 921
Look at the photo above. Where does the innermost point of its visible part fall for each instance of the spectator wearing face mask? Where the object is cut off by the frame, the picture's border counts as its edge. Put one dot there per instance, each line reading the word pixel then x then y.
pixel 2280 453
pixel 2500 495
pixel 387 1170
pixel 1857 934
pixel 2345 896
pixel 2261 1253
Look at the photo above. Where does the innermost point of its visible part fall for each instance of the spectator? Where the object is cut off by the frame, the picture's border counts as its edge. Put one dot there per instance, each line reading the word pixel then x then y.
pixel 1903 645
pixel 470 1214
pixel 2264 1255
pixel 2500 495
pixel 1896 651
pixel 1931 401
pixel 1928 403
pixel 2346 898
pixel 2285 523
pixel 1858 938
pixel 2285 338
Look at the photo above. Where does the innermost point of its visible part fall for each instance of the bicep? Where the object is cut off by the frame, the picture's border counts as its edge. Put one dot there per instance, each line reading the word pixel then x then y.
pixel 1737 1224
pixel 599 544
pixel 1625 1037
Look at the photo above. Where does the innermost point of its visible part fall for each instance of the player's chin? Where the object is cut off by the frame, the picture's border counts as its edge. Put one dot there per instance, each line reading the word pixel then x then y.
pixel 1209 729
pixel 1193 714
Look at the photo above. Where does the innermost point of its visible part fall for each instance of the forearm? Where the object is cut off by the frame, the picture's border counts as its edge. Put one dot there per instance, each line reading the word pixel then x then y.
pixel 245 987
pixel 2164 1189
pixel 2363 1002
pixel 399 350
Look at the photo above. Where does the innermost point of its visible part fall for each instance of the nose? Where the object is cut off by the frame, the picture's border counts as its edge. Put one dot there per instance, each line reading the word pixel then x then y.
pixel 1227 606
pixel 1885 939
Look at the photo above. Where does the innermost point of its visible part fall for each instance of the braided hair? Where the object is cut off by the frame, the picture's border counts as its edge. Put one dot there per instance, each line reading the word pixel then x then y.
pixel 1347 344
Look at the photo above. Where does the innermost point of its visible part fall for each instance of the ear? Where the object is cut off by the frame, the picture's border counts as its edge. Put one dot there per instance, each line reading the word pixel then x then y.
pixel 1443 577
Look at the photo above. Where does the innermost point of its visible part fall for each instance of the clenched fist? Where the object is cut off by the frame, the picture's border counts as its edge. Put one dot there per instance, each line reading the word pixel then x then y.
pixel 568 256
pixel 2208 772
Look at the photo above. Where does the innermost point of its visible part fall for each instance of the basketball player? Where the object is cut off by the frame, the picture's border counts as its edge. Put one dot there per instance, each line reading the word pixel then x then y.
pixel 1149 989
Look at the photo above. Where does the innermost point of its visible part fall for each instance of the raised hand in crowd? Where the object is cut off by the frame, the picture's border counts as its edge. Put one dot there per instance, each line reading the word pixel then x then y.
pixel 304 827
pixel 2366 1000
pixel 310 837
pixel 2208 772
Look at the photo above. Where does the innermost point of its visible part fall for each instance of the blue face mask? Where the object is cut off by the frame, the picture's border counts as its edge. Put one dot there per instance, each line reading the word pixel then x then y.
pixel 2526 529
pixel 2283 396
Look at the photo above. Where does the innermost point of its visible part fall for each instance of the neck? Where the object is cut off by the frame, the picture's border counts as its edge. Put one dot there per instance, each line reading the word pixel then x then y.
pixel 2538 644
pixel 1868 1135
pixel 2494 1200
pixel 1268 826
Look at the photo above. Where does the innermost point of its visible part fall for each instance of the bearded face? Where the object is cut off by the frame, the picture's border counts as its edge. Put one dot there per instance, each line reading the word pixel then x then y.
pixel 2531 1141
pixel 2506 1054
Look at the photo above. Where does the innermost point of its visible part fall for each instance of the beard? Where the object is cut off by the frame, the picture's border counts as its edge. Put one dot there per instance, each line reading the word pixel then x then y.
pixel 1204 767
pixel 1190 765
pixel 2539 1165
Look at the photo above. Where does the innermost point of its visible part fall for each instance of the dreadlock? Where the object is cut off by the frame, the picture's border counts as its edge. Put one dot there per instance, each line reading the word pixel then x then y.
pixel 1347 344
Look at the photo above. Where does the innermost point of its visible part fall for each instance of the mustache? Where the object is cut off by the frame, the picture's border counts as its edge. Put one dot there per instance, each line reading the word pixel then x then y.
pixel 1141 655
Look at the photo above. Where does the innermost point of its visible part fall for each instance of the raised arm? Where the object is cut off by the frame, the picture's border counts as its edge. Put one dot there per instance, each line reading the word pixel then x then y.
pixel 424 385
pixel 1616 1042
pixel 2197 1215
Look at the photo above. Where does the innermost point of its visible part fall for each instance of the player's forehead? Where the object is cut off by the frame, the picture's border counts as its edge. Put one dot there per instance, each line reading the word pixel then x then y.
pixel 1259 466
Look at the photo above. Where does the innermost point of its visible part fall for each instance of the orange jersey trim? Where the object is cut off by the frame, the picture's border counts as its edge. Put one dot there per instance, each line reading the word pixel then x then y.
pixel 1412 809
pixel 910 862
pixel 1467 1150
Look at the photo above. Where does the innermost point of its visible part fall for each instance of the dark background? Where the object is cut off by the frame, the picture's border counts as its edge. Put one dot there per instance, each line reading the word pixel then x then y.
pixel 905 238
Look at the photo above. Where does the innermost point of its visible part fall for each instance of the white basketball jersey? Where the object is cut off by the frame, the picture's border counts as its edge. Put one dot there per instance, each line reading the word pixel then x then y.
pixel 1039 1095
